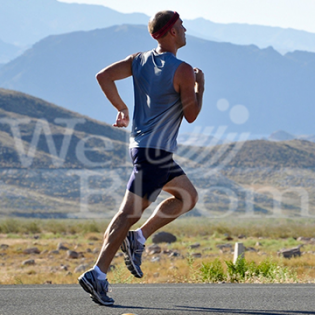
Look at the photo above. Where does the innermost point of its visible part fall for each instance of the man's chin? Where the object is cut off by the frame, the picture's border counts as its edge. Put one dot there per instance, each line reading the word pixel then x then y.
pixel 183 43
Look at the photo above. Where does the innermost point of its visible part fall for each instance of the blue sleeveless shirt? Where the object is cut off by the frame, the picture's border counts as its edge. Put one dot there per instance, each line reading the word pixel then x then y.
pixel 158 110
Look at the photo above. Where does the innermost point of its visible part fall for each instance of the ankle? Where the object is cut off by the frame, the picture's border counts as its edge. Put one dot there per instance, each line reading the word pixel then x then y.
pixel 100 274
pixel 140 238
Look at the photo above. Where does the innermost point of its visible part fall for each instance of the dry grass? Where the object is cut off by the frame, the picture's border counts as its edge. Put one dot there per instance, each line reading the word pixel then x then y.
pixel 85 237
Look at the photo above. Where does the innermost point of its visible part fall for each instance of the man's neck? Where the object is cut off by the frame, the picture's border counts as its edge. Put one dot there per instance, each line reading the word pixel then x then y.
pixel 166 48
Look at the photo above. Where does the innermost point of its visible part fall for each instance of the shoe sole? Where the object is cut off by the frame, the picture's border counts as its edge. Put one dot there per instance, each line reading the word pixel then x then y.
pixel 87 287
pixel 94 300
pixel 125 247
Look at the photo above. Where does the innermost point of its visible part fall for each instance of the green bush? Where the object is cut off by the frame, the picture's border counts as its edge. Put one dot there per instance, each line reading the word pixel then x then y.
pixel 91 227
pixel 56 227
pixel 31 227
pixel 238 271
pixel 9 226
pixel 242 271
pixel 212 272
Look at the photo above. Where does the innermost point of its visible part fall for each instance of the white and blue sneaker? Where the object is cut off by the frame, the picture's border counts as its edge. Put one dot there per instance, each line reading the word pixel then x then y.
pixel 133 250
pixel 97 288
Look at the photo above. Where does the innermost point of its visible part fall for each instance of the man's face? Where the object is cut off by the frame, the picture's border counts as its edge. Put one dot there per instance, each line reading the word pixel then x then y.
pixel 180 30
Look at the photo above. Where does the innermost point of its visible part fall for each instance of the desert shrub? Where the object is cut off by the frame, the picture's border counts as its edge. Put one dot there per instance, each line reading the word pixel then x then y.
pixel 243 271
pixel 212 272
pixel 31 227
pixel 9 226
pixel 91 227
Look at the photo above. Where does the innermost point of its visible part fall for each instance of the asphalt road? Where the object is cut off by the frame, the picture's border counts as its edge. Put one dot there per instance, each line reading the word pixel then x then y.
pixel 161 299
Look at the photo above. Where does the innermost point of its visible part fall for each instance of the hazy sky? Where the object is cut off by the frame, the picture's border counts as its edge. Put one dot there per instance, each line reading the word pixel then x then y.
pixel 298 14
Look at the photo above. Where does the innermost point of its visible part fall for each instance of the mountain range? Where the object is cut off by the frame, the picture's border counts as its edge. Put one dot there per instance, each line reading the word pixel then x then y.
pixel 57 163
pixel 281 39
pixel 24 22
pixel 281 135
pixel 8 52
pixel 250 92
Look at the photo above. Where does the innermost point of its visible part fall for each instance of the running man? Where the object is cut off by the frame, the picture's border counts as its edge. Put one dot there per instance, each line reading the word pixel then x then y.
pixel 166 90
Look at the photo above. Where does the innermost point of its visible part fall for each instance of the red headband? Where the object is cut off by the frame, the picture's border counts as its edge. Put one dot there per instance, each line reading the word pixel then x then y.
pixel 166 27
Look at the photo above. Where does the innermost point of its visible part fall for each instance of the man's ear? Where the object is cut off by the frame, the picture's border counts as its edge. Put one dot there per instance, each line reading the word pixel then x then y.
pixel 173 31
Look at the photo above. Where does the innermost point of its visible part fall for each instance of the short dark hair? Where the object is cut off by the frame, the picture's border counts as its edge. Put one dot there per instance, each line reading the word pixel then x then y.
pixel 159 20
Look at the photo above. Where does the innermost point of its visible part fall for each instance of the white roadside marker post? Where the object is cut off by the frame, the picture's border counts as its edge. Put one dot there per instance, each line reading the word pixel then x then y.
pixel 239 250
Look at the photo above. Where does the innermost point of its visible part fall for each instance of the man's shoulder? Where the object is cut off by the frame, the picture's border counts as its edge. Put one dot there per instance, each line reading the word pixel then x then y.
pixel 184 75
pixel 185 68
pixel 144 53
pixel 141 54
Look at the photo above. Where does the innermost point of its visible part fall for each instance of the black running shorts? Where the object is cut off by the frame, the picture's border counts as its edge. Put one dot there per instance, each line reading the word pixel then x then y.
pixel 152 169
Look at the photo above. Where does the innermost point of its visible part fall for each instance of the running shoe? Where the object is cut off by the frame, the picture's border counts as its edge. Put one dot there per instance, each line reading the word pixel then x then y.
pixel 133 250
pixel 97 288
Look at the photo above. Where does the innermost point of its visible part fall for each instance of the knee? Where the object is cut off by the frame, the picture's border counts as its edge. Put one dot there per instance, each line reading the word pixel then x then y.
pixel 129 218
pixel 194 199
pixel 191 199
pixel 121 221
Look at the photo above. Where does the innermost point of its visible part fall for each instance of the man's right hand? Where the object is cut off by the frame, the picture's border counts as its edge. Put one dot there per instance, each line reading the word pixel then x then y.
pixel 122 119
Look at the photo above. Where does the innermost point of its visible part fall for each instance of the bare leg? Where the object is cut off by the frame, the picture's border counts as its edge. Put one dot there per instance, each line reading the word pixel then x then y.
pixel 184 199
pixel 129 213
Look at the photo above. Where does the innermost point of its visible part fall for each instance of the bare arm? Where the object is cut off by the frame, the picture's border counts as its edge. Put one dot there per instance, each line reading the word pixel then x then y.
pixel 190 83
pixel 106 79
